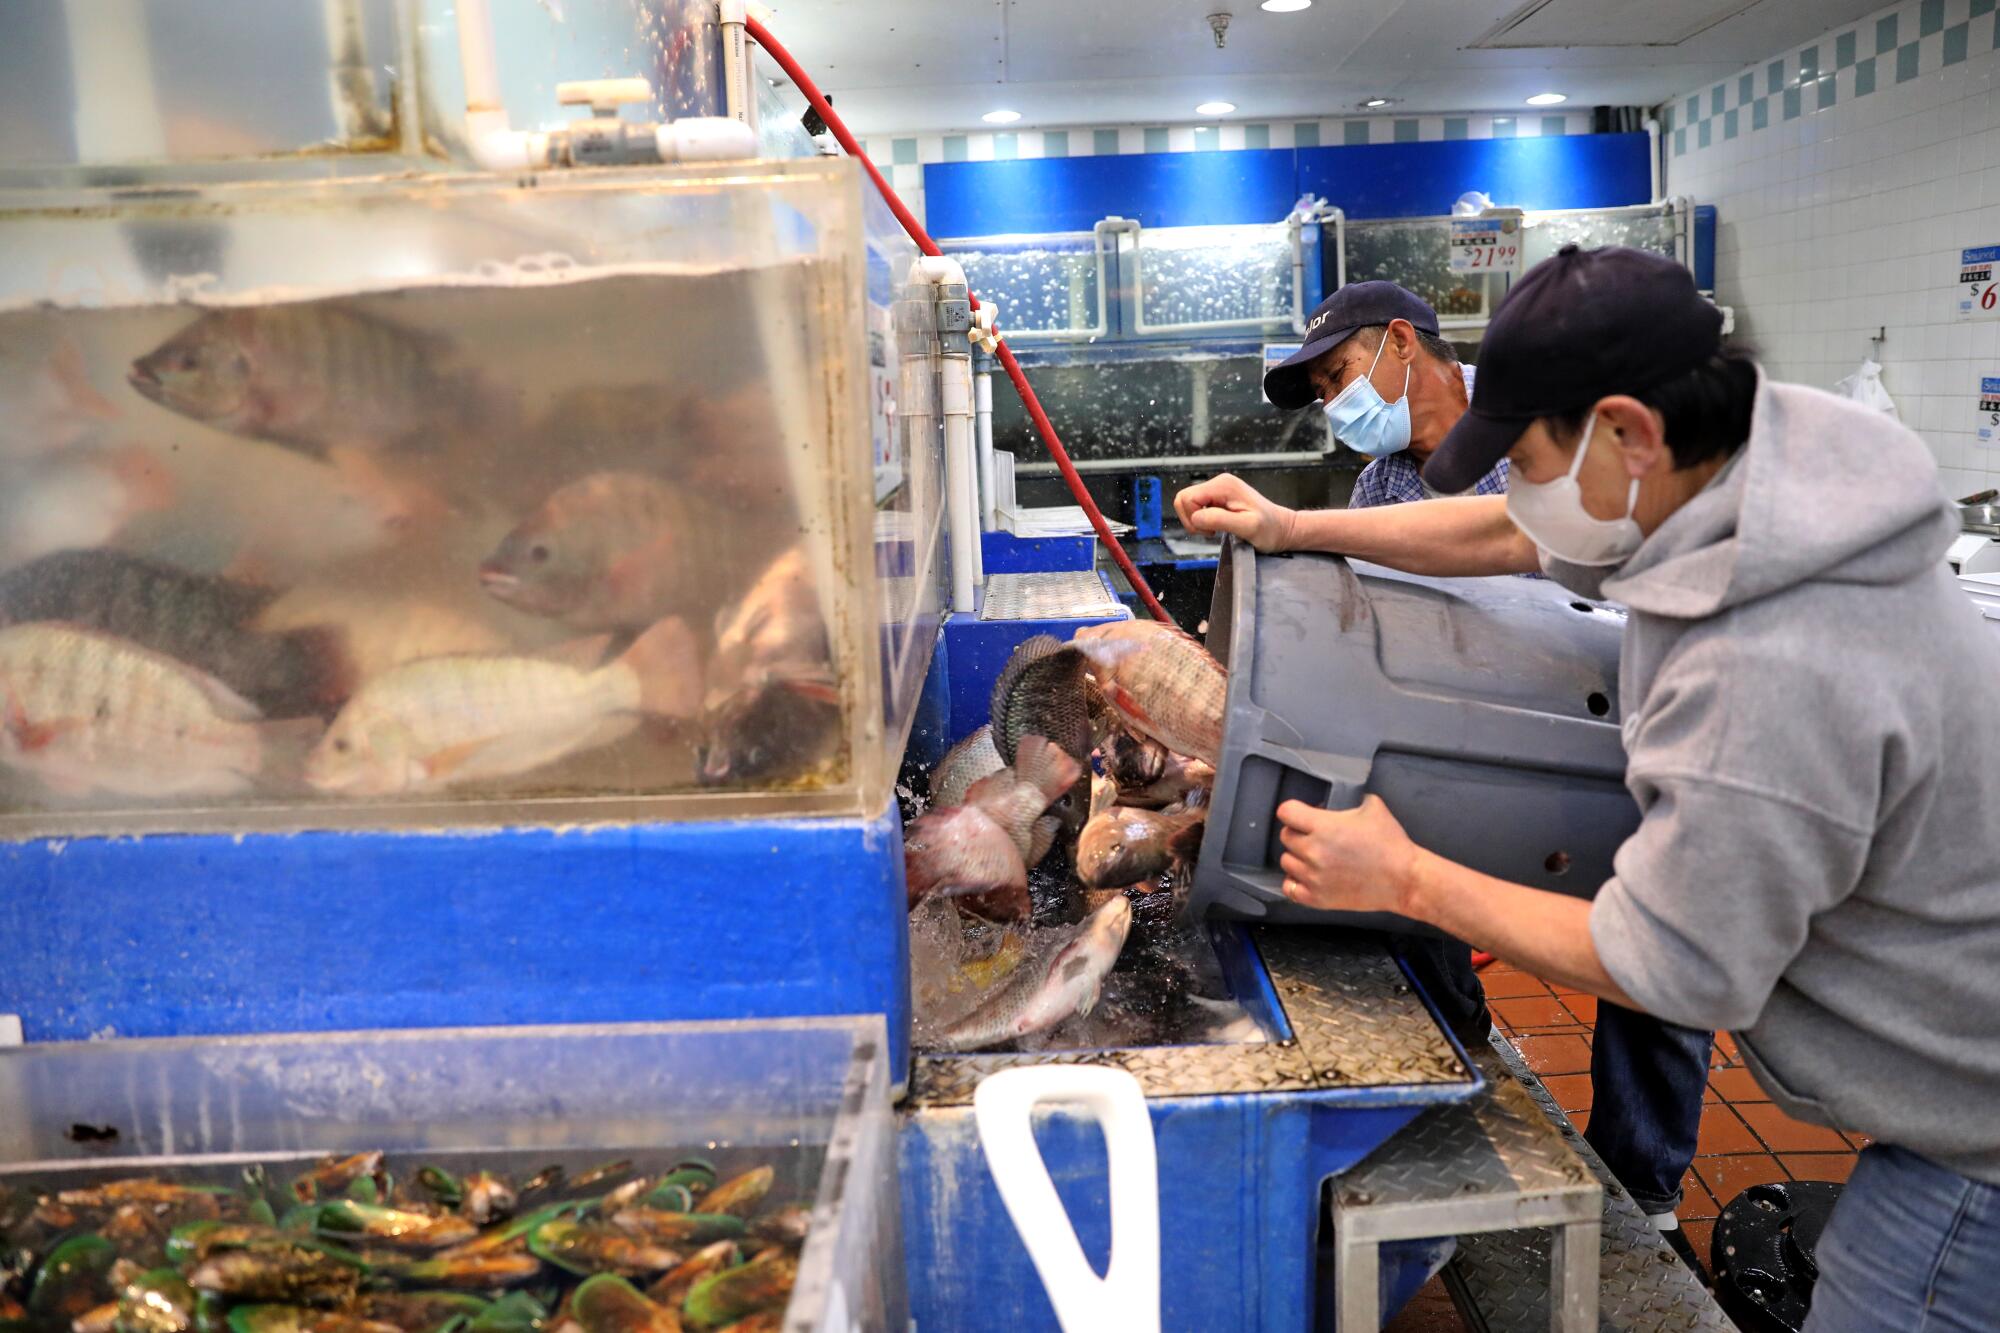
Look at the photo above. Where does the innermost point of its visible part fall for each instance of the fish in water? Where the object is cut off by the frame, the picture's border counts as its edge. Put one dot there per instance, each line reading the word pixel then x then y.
pixel 1124 845
pixel 1133 761
pixel 310 375
pixel 619 550
pixel 51 403
pixel 201 620
pixel 446 721
pixel 78 500
pixel 1036 996
pixel 86 712
pixel 1162 682
pixel 772 703
pixel 964 764
pixel 364 632
pixel 1180 779
pixel 1041 692
pixel 979 849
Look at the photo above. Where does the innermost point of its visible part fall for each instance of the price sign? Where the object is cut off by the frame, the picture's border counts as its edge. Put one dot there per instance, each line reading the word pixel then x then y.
pixel 1988 425
pixel 1978 293
pixel 1276 354
pixel 1490 243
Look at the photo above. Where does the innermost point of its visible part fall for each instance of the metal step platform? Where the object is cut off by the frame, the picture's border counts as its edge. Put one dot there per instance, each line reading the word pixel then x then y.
pixel 1498 1278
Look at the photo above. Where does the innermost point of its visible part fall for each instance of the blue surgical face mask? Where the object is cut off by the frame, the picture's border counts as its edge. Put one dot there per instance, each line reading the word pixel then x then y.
pixel 1363 422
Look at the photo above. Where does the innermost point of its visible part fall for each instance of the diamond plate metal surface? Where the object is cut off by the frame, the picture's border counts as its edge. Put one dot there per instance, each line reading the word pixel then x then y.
pixel 1500 1278
pixel 1497 1146
pixel 1355 1023
pixel 1069 594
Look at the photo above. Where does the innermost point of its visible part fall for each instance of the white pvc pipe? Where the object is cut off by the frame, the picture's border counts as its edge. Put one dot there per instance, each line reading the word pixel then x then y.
pixel 961 479
pixel 736 98
pixel 982 406
pixel 117 112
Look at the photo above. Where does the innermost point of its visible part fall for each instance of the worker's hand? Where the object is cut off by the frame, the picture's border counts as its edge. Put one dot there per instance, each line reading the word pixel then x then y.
pixel 1356 860
pixel 1227 503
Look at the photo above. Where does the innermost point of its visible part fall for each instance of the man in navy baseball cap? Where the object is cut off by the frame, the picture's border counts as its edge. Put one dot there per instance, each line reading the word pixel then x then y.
pixel 1389 383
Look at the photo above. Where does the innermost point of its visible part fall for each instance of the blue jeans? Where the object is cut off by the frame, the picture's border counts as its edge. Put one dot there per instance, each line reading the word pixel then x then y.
pixel 1646 1080
pixel 1911 1248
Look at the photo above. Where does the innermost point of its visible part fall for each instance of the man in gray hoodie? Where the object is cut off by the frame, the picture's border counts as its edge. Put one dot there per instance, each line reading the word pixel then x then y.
pixel 1816 867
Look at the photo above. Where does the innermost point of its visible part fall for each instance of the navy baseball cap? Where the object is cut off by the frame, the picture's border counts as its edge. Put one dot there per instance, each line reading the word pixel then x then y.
pixel 1358 305
pixel 1579 326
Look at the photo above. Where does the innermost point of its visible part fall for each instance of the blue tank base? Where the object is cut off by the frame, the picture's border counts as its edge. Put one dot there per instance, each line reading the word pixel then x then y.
pixel 179 935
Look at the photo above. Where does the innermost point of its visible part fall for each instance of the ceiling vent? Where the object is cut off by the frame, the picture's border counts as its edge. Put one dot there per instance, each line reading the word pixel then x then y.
pixel 1556 23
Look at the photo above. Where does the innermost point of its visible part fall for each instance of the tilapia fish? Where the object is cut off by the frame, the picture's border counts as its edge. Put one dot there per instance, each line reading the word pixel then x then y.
pixel 446 721
pixel 1038 995
pixel 78 500
pixel 1179 779
pixel 964 764
pixel 311 375
pixel 1123 845
pixel 772 704
pixel 87 712
pixel 200 620
pixel 1162 682
pixel 1041 692
pixel 51 403
pixel 617 550
pixel 979 849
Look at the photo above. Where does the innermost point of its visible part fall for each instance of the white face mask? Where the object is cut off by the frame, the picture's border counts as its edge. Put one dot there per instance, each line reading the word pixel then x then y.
pixel 1552 515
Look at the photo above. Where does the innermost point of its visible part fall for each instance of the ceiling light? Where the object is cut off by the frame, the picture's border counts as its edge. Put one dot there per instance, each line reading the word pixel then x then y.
pixel 1285 6
pixel 1001 117
pixel 1547 99
pixel 1215 108
pixel 1377 101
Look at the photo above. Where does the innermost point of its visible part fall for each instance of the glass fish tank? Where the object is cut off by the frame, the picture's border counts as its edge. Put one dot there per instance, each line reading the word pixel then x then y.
pixel 458 500
pixel 696 1175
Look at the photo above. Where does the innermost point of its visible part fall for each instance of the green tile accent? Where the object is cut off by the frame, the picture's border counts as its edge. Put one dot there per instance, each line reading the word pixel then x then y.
pixel 1256 136
pixel 1552 125
pixel 1808 64
pixel 1981 8
pixel 1156 139
pixel 903 152
pixel 1828 86
pixel 1504 127
pixel 1885 35
pixel 1354 132
pixel 1715 100
pixel 1864 77
pixel 1006 146
pixel 1306 134
pixel 1930 18
pixel 1760 113
pixel 1746 88
pixel 1680 142
pixel 1406 131
pixel 1104 143
pixel 1956 38
pixel 1693 110
pixel 1207 139
pixel 1906 62
pixel 1791 104
pixel 1055 143
pixel 1774 76
pixel 1843 50
pixel 1456 127
pixel 1703 129
pixel 1729 123
pixel 954 148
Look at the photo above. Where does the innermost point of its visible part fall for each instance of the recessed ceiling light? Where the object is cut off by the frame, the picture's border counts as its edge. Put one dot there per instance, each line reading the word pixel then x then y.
pixel 1378 101
pixel 1285 6
pixel 1215 108
pixel 1001 117
pixel 1547 99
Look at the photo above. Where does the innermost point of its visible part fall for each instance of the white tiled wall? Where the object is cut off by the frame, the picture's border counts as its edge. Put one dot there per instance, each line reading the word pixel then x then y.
pixel 1848 217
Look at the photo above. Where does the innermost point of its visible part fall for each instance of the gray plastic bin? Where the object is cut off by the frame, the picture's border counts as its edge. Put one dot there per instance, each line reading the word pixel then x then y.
pixel 1483 711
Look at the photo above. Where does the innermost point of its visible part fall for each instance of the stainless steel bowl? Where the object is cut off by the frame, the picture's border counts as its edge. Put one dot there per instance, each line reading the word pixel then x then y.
pixel 1980 518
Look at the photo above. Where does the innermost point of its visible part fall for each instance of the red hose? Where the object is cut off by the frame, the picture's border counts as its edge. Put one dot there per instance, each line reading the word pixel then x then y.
pixel 762 36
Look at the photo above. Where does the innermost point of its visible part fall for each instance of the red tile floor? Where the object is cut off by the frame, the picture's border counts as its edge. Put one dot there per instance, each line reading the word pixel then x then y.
pixel 1744 1139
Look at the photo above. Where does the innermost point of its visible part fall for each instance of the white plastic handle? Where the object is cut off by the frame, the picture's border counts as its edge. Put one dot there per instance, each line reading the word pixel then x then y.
pixel 1127 1297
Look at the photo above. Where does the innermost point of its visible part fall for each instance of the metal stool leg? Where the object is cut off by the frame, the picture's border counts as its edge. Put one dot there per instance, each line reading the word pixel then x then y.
pixel 1357 1279
pixel 1573 1258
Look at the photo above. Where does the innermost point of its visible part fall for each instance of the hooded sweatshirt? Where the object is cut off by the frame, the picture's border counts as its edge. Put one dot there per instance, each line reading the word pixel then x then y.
pixel 1813 745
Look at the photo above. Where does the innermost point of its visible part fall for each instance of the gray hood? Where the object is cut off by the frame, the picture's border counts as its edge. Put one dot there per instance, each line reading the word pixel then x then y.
pixel 1821 491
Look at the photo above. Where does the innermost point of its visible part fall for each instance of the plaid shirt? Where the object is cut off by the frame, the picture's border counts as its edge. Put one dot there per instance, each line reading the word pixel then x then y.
pixel 1394 480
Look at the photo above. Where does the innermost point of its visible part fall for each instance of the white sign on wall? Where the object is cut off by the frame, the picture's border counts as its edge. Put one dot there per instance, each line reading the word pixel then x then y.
pixel 1978 293
pixel 1988 425
pixel 1487 244
pixel 1275 355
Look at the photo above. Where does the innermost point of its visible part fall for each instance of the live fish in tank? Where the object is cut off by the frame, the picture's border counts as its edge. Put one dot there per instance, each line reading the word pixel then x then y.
pixel 771 702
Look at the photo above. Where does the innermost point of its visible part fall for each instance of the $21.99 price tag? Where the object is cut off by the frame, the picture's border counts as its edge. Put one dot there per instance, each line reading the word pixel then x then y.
pixel 1978 293
pixel 1486 244
pixel 1988 425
